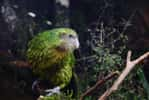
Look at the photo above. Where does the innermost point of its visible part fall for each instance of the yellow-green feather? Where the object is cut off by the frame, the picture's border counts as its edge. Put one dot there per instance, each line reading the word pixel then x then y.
pixel 46 61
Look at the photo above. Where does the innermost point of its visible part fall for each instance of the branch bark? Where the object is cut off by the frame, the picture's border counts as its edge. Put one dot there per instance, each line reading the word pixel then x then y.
pixel 98 84
pixel 129 66
pixel 20 64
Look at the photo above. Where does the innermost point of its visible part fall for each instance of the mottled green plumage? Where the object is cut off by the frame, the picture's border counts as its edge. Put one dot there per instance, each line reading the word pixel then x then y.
pixel 50 58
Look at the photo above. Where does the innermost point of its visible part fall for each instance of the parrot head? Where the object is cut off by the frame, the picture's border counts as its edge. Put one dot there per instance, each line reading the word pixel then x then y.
pixel 68 39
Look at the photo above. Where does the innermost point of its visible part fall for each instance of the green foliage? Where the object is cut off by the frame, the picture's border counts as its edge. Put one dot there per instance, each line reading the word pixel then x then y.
pixel 135 87
pixel 107 61
pixel 108 56
pixel 143 81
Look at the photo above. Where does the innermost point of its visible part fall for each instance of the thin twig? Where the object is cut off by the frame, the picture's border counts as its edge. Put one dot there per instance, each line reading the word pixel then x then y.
pixel 129 20
pixel 129 66
pixel 98 84
pixel 86 58
pixel 20 63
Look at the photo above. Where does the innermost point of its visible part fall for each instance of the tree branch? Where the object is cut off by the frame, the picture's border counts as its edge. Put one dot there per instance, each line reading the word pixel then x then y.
pixel 20 64
pixel 99 83
pixel 129 66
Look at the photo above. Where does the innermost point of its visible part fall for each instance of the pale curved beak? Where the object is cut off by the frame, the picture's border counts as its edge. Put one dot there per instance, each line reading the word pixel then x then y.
pixel 76 44
pixel 71 44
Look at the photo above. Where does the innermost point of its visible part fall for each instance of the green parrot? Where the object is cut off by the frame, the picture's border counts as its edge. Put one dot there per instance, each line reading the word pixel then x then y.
pixel 51 55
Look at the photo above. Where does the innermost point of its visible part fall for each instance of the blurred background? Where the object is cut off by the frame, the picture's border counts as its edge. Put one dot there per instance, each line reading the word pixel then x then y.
pixel 107 29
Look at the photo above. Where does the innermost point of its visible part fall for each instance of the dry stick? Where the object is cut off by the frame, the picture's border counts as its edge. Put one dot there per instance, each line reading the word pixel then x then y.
pixel 20 63
pixel 129 66
pixel 99 83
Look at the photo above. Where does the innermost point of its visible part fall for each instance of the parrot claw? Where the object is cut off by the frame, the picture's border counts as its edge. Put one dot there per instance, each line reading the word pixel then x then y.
pixel 35 84
pixel 55 90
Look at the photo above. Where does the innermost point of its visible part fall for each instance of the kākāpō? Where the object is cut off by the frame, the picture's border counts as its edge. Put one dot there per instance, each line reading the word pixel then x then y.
pixel 51 55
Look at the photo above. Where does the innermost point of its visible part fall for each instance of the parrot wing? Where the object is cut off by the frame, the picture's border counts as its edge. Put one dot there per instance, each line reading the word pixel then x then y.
pixel 41 49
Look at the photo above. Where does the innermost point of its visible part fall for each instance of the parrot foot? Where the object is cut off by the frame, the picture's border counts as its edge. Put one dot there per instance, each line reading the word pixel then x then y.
pixel 35 85
pixel 38 87
pixel 55 90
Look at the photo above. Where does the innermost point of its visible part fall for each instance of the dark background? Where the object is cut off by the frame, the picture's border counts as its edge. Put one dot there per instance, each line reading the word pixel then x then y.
pixel 81 15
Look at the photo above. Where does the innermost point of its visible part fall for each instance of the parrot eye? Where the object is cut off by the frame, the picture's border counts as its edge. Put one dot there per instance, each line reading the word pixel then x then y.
pixel 71 36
